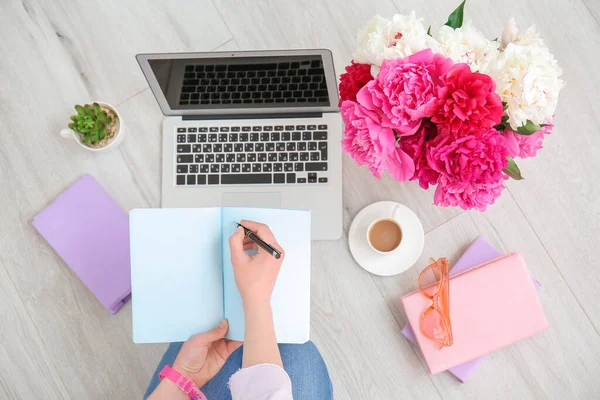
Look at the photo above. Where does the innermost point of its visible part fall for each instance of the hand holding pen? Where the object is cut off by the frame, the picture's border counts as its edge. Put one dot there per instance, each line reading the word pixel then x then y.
pixel 260 243
pixel 255 274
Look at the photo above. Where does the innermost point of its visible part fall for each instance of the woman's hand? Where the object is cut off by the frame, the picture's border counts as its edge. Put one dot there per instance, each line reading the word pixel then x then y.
pixel 203 355
pixel 255 275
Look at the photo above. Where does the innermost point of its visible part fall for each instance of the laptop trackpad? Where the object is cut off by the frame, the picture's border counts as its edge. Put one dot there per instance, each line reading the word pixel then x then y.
pixel 241 199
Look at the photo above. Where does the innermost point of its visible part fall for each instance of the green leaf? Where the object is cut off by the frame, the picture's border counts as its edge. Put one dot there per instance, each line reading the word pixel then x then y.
pixel 512 169
pixel 101 131
pixel 97 110
pixel 429 30
pixel 103 117
pixel 503 124
pixel 80 110
pixel 72 126
pixel 94 135
pixel 528 129
pixel 504 105
pixel 455 20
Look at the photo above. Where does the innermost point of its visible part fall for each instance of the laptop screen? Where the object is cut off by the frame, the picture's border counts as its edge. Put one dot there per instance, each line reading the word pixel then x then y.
pixel 245 82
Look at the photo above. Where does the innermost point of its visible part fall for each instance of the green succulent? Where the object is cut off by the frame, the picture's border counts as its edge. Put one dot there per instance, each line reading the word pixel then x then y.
pixel 91 122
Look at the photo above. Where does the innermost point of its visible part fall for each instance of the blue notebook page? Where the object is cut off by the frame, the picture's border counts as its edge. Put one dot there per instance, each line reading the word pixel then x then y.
pixel 176 273
pixel 291 296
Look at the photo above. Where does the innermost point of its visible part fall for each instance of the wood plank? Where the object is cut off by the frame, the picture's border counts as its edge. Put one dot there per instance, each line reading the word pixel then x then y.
pixel 95 43
pixel 142 148
pixel 83 342
pixel 594 8
pixel 356 334
pixel 560 195
pixel 558 363
pixel 231 44
pixel 26 369
pixel 303 24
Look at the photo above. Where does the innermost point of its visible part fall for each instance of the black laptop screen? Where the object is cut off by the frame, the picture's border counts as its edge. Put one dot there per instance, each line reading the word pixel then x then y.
pixel 249 82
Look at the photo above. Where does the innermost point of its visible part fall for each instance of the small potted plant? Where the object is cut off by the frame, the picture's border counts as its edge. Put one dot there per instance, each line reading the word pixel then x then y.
pixel 96 127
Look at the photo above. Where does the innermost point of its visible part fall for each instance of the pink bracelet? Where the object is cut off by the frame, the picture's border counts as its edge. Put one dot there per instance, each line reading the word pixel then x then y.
pixel 182 383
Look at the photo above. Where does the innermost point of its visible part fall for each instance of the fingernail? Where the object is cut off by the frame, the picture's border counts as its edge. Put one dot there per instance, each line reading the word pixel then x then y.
pixel 223 323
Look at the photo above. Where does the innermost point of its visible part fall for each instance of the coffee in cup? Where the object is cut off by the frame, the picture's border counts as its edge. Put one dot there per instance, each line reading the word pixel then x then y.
pixel 384 235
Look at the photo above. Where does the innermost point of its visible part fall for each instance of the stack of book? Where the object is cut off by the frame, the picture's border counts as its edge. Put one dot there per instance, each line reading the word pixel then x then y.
pixel 493 303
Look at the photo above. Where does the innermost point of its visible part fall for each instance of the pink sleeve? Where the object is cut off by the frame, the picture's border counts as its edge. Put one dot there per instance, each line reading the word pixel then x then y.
pixel 261 382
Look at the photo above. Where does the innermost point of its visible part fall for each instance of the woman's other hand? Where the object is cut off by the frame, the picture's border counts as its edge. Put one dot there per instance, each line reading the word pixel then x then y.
pixel 203 355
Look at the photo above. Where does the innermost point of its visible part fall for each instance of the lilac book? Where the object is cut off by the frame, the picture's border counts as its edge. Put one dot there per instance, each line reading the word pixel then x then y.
pixel 478 252
pixel 90 232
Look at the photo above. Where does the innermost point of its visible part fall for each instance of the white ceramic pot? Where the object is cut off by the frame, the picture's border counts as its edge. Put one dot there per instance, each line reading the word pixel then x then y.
pixel 68 133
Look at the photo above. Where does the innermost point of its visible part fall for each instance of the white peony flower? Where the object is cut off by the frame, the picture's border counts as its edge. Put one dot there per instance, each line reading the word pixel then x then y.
pixel 527 77
pixel 383 39
pixel 467 45
pixel 509 35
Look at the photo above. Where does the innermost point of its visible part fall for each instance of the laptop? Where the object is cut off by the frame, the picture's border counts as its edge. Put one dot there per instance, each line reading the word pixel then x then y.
pixel 251 129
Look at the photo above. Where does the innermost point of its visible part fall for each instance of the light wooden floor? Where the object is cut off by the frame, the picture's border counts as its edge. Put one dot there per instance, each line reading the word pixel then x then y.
pixel 56 340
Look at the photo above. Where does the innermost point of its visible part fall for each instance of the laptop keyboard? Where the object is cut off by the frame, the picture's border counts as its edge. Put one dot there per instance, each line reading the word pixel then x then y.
pixel 284 82
pixel 247 155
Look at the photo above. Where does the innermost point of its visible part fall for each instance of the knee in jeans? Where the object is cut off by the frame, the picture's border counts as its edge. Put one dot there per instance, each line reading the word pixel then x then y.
pixel 307 370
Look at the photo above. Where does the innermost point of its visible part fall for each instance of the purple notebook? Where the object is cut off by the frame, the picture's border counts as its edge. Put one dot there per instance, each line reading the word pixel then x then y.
pixel 478 252
pixel 91 233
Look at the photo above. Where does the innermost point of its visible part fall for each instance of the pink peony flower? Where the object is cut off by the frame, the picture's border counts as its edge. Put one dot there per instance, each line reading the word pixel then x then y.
pixel 468 102
pixel 365 139
pixel 414 146
pixel 470 169
pixel 467 195
pixel 525 146
pixel 370 143
pixel 405 89
pixel 400 165
pixel 356 76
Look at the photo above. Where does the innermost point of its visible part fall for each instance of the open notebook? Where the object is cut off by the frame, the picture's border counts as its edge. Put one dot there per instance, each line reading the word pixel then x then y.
pixel 182 279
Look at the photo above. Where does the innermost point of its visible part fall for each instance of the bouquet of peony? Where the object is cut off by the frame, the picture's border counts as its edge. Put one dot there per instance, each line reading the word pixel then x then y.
pixel 452 110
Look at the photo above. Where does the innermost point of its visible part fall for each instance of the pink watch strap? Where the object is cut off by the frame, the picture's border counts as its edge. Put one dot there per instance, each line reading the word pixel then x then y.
pixel 182 383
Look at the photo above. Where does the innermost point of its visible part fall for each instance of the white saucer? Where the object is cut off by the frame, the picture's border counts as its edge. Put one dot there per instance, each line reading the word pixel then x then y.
pixel 409 251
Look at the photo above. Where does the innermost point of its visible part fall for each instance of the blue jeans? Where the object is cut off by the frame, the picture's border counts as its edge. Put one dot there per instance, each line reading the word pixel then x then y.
pixel 302 362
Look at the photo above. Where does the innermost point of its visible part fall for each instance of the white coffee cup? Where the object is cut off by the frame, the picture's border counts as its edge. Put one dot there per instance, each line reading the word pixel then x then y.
pixel 384 234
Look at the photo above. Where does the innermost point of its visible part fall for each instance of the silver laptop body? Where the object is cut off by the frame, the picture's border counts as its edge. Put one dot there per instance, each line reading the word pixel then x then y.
pixel 251 128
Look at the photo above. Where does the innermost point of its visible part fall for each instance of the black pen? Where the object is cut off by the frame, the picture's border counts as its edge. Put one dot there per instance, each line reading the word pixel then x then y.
pixel 270 249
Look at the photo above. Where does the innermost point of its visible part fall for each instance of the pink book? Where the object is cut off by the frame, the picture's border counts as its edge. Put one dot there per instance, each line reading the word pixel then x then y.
pixel 507 309
pixel 478 252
